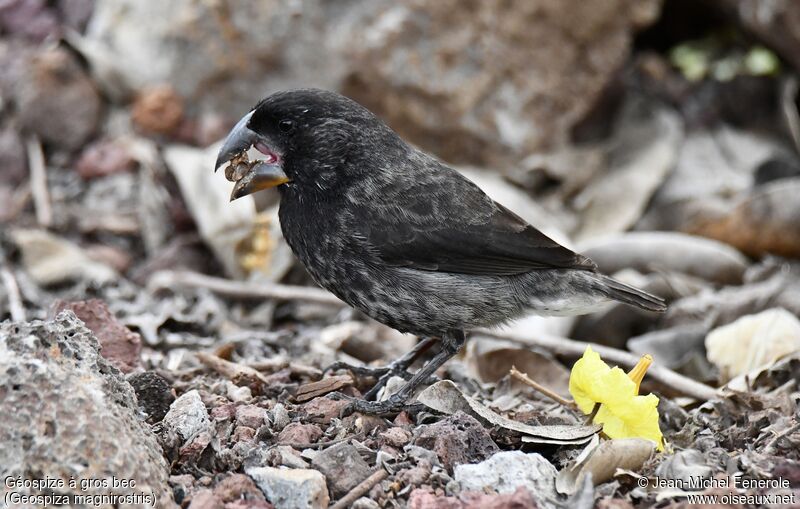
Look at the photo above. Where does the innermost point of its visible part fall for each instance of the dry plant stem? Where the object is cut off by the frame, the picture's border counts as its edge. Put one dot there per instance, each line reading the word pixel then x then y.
pixel 240 289
pixel 792 116
pixel 272 365
pixel 230 370
pixel 360 490
pixel 14 299
pixel 524 378
pixel 591 416
pixel 571 348
pixel 774 442
pixel 38 175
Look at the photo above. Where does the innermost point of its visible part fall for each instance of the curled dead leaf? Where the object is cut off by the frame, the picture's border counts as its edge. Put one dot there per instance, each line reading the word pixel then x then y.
pixel 447 398
pixel 602 460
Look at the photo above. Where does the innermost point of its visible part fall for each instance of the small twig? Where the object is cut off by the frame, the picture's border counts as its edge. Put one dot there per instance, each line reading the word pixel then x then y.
pixel 273 365
pixel 38 176
pixel 14 299
pixel 783 434
pixel 360 490
pixel 524 378
pixel 788 96
pixel 593 414
pixel 571 348
pixel 237 373
pixel 240 289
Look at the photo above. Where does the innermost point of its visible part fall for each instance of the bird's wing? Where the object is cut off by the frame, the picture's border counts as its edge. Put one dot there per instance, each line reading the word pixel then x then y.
pixel 450 225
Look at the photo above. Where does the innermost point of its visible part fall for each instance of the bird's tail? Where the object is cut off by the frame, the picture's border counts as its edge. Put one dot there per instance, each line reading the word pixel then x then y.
pixel 627 294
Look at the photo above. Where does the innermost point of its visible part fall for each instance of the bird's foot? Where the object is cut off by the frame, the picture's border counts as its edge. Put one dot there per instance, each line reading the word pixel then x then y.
pixel 391 406
pixel 383 374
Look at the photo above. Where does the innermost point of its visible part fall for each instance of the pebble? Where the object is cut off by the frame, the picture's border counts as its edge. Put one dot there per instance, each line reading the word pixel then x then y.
pixel 187 416
pixel 251 416
pixel 343 466
pixel 297 433
pixel 289 488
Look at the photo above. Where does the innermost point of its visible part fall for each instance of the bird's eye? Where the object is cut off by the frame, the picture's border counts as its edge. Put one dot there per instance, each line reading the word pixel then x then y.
pixel 285 125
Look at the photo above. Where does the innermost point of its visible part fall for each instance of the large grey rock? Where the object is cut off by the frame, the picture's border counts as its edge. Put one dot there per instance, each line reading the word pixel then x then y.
pixel 291 488
pixel 478 81
pixel 224 57
pixel 474 81
pixel 508 470
pixel 68 413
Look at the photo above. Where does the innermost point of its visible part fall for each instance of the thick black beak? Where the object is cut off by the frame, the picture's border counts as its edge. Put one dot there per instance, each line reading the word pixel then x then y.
pixel 239 140
pixel 261 176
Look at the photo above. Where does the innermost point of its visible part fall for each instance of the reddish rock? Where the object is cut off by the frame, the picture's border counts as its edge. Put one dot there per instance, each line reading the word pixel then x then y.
pixel 222 412
pixel 158 110
pixel 191 451
pixel 118 344
pixel 251 416
pixel 403 419
pixel 296 433
pixel 423 499
pixel 322 410
pixel 205 499
pixel 396 437
pixel 243 434
pixel 104 158
pixel 458 439
pixel 239 487
pixel 520 499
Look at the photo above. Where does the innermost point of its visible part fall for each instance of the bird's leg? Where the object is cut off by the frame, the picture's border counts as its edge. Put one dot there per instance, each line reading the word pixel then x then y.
pixel 451 344
pixel 398 367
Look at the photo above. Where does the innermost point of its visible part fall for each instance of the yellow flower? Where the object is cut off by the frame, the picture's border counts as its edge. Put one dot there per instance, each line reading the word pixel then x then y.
pixel 623 412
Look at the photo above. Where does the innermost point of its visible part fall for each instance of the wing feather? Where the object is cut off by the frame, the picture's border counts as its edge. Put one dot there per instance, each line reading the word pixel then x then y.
pixel 428 231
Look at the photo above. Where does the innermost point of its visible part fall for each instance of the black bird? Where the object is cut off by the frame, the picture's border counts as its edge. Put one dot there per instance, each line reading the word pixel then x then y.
pixel 402 237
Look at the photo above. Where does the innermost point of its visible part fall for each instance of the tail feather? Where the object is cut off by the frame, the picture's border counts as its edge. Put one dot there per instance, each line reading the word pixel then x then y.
pixel 627 294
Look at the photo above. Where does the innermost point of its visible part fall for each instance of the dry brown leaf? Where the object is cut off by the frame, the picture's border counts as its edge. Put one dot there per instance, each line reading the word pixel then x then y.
pixel 493 364
pixel 309 391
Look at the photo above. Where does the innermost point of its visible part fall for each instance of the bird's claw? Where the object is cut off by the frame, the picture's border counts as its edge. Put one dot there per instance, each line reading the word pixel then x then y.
pixel 383 374
pixel 391 406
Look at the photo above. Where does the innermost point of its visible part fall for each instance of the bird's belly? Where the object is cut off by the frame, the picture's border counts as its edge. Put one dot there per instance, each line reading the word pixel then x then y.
pixel 424 303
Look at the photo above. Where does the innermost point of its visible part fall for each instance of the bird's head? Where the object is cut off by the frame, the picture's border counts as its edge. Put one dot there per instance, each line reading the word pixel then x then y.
pixel 307 138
